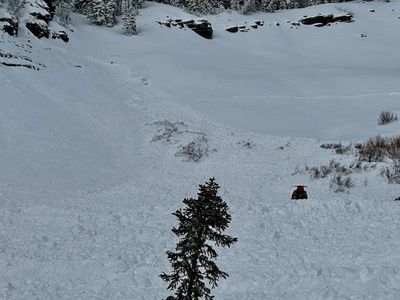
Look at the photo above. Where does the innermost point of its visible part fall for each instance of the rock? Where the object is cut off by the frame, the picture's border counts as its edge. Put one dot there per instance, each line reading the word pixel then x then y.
pixel 322 20
pixel 317 20
pixel 40 10
pixel 40 16
pixel 259 23
pixel 190 24
pixel 343 18
pixel 255 26
pixel 9 25
pixel 204 29
pixel 232 29
pixel 201 27
pixel 39 28
pixel 62 35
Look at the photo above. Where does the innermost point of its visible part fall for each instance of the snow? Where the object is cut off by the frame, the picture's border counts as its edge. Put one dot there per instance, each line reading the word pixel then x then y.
pixel 4 13
pixel 87 195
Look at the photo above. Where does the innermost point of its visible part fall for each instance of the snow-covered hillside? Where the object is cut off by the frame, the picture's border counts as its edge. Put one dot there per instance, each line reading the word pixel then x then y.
pixel 91 167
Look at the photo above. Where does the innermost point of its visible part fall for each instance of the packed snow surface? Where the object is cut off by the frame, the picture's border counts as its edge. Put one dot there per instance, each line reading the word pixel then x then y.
pixel 91 171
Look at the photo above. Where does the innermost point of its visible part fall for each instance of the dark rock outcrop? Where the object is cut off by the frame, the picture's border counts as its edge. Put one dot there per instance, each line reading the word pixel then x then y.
pixel 322 20
pixel 317 20
pixel 246 27
pixel 343 18
pixel 40 10
pixel 52 7
pixel 201 27
pixel 16 60
pixel 39 28
pixel 232 29
pixel 62 35
pixel 9 25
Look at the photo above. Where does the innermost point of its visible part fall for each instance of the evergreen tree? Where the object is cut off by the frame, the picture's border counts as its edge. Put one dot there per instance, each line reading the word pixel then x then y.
pixel 111 9
pixel 63 11
pixel 139 4
pixel 12 6
pixel 273 5
pixel 299 3
pixel 202 221
pixel 97 13
pixel 129 11
pixel 201 7
pixel 250 6
pixel 236 5
pixel 83 6
pixel 178 3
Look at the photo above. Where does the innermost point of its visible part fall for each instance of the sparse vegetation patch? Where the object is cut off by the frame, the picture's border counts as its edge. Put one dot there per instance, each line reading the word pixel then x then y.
pixel 386 117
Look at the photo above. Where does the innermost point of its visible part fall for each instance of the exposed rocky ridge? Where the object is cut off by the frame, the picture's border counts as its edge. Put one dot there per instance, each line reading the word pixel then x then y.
pixel 245 28
pixel 322 20
pixel 9 25
pixel 15 54
pixel 201 27
pixel 36 16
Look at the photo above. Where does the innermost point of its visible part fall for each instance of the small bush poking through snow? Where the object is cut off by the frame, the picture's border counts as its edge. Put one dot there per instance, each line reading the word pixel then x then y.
pixel 373 150
pixel 167 131
pixel 324 171
pixel 340 183
pixel 378 148
pixel 193 145
pixel 392 172
pixel 247 144
pixel 386 117
pixel 338 147
pixel 194 150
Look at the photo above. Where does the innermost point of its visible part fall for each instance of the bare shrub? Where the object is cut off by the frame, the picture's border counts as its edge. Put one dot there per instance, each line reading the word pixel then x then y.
pixel 338 147
pixel 392 172
pixel 194 150
pixel 393 149
pixel 377 148
pixel 340 183
pixel 247 144
pixel 373 150
pixel 356 166
pixel 324 171
pixel 386 117
pixel 167 131
pixel 192 145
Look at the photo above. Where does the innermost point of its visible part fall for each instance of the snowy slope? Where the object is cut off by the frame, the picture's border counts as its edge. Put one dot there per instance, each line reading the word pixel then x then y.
pixel 87 194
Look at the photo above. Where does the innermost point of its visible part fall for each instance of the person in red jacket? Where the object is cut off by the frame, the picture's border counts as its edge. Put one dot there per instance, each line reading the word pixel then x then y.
pixel 299 193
